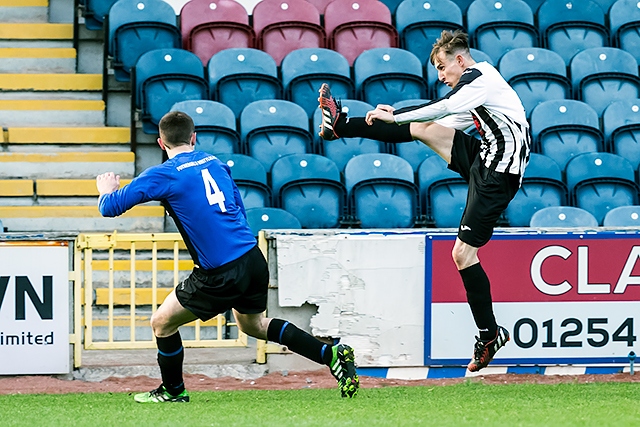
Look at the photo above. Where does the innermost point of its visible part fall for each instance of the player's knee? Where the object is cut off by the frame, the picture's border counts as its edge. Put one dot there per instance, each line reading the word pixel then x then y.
pixel 462 257
pixel 158 325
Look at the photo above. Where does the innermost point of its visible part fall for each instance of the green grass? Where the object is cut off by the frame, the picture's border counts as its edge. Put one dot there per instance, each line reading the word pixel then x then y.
pixel 470 403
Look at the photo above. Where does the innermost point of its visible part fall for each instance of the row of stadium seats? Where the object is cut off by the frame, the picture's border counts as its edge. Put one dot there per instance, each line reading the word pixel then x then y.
pixel 550 217
pixel 270 129
pixel 379 190
pixel 236 77
pixel 351 27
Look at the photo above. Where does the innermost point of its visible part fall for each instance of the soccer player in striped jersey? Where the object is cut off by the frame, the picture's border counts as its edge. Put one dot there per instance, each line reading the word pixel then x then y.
pixel 230 271
pixel 493 165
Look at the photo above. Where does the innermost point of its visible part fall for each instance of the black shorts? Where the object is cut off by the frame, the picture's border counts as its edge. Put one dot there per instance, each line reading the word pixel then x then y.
pixel 241 284
pixel 489 191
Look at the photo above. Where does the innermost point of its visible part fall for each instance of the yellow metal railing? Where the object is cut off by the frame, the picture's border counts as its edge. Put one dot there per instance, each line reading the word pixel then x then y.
pixel 117 302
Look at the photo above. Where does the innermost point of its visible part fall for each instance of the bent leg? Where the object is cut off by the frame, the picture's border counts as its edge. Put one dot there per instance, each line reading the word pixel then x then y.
pixel 165 322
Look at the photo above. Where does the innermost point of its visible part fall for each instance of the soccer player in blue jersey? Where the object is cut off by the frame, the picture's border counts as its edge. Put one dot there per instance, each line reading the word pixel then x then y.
pixel 230 271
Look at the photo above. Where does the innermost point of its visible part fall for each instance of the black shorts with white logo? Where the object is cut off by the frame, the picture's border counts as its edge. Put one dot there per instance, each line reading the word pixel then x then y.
pixel 241 284
pixel 489 191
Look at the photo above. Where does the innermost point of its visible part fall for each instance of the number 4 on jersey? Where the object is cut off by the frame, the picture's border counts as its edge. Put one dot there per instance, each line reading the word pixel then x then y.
pixel 214 195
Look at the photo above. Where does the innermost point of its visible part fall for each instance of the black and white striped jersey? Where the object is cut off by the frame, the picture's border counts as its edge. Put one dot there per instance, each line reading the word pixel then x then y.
pixel 482 98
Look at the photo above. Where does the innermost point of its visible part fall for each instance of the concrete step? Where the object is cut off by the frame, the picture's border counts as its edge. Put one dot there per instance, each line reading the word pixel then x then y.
pixel 50 82
pixel 16 187
pixel 20 113
pixel 69 187
pixel 68 135
pixel 29 35
pixel 80 219
pixel 37 60
pixel 24 10
pixel 65 165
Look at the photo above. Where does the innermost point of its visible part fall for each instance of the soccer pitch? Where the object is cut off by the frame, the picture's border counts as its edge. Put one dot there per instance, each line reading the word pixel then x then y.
pixel 470 403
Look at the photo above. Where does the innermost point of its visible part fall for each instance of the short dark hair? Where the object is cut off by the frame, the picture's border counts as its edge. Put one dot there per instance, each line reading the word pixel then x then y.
pixel 176 128
pixel 450 43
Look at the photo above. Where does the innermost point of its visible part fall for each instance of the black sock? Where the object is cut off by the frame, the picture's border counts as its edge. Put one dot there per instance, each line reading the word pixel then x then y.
pixel 299 341
pixel 170 358
pixel 351 127
pixel 478 290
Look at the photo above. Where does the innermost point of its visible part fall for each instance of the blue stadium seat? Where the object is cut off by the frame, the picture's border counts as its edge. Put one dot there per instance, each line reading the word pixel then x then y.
pixel 463 4
pixel 536 74
pixel 135 27
pixel 621 125
pixel 542 186
pixel 215 125
pixel 567 30
pixel 388 75
pixel 415 151
pixel 304 70
pixel 605 5
pixel 421 22
pixel 251 179
pixel 381 191
pixel 623 216
pixel 238 76
pixel 163 77
pixel 443 193
pixel 271 219
pixel 565 128
pixel 599 182
pixel 534 5
pixel 624 24
pixel 603 75
pixel 95 12
pixel 274 128
pixel 563 216
pixel 342 150
pixel 497 27
pixel 309 187
pixel 439 89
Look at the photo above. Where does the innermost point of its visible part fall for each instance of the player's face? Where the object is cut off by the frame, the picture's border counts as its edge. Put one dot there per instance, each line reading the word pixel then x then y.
pixel 450 68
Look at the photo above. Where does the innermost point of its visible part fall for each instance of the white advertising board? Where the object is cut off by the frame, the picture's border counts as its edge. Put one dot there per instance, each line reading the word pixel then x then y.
pixel 34 308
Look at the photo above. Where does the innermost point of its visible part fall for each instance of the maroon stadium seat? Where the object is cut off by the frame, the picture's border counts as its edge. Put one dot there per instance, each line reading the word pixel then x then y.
pixel 354 26
pixel 283 26
pixel 209 26
pixel 321 5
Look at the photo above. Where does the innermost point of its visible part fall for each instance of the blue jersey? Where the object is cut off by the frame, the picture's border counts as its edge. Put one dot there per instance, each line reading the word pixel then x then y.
pixel 197 190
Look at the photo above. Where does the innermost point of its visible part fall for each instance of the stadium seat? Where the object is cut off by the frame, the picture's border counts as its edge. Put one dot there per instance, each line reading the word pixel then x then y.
pixel 304 71
pixel 251 178
pixel 567 30
pixel 95 12
pixel 135 27
pixel 443 193
pixel 463 4
pixel 271 219
pixel 605 5
pixel 381 191
pixel 624 25
pixel 623 216
pixel 542 186
pixel 272 128
pixel 599 182
pixel 536 74
pixel 621 126
pixel 564 128
pixel 237 77
pixel 309 187
pixel 209 26
pixel 163 77
pixel 388 75
pixel 415 151
pixel 563 216
pixel 215 126
pixel 342 150
pixel 283 26
pixel 353 26
pixel 497 27
pixel 603 75
pixel 420 23
pixel 439 89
